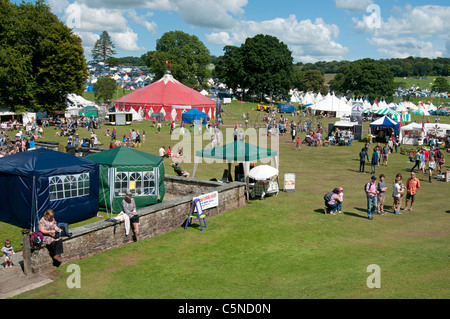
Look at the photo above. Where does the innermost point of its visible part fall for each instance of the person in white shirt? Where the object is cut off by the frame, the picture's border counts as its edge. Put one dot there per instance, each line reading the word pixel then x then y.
pixel 162 152
pixel 397 194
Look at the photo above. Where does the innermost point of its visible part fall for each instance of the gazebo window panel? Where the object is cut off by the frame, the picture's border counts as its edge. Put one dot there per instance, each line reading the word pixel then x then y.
pixel 149 185
pixel 83 185
pixel 138 183
pixel 68 186
pixel 121 184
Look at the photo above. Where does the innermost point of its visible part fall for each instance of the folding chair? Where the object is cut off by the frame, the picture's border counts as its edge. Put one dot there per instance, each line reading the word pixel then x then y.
pixel 199 214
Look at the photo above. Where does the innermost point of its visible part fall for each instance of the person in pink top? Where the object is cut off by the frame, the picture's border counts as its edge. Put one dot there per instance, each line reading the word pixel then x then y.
pixel 371 193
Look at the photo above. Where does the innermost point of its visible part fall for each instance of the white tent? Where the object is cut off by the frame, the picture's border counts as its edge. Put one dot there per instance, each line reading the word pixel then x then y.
pixel 366 104
pixel 411 134
pixel 332 104
pixel 438 129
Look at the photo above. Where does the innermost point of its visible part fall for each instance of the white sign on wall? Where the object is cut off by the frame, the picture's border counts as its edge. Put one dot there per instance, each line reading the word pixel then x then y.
pixel 209 200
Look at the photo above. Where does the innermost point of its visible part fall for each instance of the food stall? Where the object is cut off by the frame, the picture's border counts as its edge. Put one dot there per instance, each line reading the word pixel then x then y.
pixel 265 179
pixel 412 134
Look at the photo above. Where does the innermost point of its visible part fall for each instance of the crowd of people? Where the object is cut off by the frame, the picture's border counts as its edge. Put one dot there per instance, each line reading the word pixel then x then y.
pixel 24 140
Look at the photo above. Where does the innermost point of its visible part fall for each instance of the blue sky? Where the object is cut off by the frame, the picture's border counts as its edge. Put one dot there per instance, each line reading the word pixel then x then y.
pixel 320 30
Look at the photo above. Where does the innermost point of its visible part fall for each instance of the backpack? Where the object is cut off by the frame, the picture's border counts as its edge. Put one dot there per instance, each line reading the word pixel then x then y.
pixel 36 239
pixel 365 187
pixel 327 196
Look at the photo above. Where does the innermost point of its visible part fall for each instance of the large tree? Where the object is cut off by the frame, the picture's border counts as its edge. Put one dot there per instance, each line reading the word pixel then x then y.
pixel 309 81
pixel 261 65
pixel 104 89
pixel 365 77
pixel 440 85
pixel 41 60
pixel 185 55
pixel 103 48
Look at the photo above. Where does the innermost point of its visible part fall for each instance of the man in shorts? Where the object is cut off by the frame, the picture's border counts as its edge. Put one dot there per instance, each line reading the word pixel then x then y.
pixel 412 185
pixel 386 151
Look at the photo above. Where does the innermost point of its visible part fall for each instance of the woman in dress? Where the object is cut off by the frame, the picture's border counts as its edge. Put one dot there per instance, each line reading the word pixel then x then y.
pixel 52 237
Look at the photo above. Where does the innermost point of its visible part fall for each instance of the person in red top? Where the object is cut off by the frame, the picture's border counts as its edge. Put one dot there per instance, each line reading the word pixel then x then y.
pixel 412 185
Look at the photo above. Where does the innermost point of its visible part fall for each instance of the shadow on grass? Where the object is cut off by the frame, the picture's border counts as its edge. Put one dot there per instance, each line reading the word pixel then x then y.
pixel 320 211
pixel 356 215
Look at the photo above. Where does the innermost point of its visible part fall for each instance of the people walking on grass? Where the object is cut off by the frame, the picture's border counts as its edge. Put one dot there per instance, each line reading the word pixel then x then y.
pixel 397 194
pixel 362 159
pixel 412 185
pixel 386 151
pixel 431 168
pixel 381 188
pixel 422 165
pixel 375 161
pixel 416 161
pixel 371 194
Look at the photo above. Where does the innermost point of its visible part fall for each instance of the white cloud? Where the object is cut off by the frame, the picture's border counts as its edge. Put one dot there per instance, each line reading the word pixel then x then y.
pixel 405 47
pixel 127 40
pixel 88 23
pixel 222 38
pixel 353 5
pixel 423 21
pixel 309 41
pixel 150 26
pixel 413 31
pixel 200 13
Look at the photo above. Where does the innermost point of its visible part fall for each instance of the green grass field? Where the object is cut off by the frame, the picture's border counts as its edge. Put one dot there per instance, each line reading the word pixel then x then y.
pixel 281 247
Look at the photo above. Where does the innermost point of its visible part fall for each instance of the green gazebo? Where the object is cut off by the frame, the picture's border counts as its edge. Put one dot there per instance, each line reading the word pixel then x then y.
pixel 124 169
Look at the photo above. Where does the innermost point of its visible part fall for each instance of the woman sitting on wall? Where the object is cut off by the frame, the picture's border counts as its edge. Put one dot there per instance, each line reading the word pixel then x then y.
pixel 52 235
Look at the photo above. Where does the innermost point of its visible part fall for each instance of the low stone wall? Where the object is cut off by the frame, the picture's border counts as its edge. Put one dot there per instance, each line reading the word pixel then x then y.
pixel 153 221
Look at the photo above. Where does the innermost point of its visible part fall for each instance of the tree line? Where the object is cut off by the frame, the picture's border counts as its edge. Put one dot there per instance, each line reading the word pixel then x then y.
pixel 407 67
pixel 42 61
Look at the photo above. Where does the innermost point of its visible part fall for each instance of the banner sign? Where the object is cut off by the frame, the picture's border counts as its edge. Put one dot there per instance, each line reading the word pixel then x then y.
pixel 209 200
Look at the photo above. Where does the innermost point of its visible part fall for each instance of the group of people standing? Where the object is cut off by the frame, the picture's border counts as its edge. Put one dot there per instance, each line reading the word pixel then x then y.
pixel 376 193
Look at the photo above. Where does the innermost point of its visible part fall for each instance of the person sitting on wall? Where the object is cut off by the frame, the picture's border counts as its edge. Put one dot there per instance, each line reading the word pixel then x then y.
pixel 129 208
pixel 179 170
pixel 52 234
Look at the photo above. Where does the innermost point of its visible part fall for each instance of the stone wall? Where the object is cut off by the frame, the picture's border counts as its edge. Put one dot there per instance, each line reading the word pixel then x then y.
pixel 153 221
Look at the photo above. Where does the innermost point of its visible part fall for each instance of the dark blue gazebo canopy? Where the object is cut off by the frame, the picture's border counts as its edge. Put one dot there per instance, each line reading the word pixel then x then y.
pixel 28 178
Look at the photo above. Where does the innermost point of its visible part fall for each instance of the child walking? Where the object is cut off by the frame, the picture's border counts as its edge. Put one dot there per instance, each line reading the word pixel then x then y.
pixel 298 144
pixel 341 195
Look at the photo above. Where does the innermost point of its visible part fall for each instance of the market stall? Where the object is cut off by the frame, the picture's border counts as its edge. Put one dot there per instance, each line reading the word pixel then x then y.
pixel 383 129
pixel 412 134
pixel 264 181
